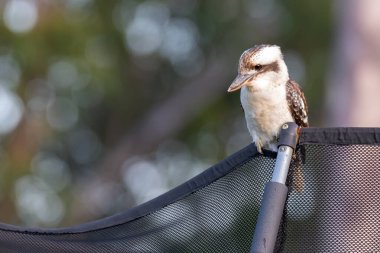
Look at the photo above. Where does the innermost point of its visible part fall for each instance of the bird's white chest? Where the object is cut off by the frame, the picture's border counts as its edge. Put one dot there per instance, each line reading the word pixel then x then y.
pixel 265 112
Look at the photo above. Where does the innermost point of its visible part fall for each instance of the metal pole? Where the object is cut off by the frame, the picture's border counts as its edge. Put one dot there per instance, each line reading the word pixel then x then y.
pixel 275 193
pixel 281 169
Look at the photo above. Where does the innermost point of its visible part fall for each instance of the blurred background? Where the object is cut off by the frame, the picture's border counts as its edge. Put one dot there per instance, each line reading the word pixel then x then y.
pixel 107 104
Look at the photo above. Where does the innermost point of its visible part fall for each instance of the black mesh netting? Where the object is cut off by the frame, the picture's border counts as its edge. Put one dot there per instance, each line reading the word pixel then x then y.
pixel 338 211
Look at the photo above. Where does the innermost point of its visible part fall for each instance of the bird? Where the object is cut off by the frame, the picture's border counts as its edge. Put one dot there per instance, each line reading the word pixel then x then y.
pixel 268 96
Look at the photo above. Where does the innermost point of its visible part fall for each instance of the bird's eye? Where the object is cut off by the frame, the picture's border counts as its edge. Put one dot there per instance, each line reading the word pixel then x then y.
pixel 258 67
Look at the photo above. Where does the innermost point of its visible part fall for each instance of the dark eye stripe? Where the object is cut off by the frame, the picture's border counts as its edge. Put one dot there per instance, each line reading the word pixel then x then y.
pixel 259 67
pixel 273 67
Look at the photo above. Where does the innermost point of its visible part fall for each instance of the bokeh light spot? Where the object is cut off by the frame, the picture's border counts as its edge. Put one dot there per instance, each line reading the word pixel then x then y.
pixel 140 174
pixel 144 34
pixel 36 203
pixel 52 170
pixel 20 16
pixel 62 114
pixel 180 46
pixel 10 72
pixel 62 74
pixel 180 39
pixel 11 110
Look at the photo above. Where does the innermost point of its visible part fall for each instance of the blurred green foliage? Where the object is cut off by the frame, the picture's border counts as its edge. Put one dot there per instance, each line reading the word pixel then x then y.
pixel 89 72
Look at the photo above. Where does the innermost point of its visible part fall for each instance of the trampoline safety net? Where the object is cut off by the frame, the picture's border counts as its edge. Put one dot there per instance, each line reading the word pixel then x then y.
pixel 216 211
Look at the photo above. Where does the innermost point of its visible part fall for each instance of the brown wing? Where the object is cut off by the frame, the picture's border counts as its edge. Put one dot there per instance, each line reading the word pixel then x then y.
pixel 297 103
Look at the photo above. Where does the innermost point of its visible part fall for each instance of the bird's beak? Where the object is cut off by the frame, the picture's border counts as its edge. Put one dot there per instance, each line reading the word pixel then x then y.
pixel 239 82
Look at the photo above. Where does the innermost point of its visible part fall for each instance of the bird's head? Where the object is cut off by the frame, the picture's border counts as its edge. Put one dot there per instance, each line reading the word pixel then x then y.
pixel 259 67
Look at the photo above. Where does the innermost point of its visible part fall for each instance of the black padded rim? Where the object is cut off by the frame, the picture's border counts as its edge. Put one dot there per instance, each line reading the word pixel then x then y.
pixel 340 136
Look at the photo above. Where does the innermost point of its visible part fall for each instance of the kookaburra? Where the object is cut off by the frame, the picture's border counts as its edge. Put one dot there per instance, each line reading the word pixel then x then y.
pixel 268 96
